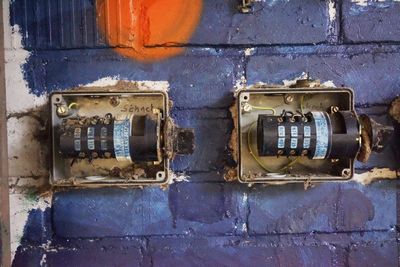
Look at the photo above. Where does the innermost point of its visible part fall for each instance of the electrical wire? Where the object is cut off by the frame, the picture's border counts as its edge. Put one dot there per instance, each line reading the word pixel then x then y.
pixel 72 104
pixel 263 108
pixel 258 160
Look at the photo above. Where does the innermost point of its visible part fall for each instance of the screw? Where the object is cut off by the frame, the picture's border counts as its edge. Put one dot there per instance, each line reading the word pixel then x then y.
pixel 94 120
pixel 334 109
pixel 107 155
pixel 114 101
pixel 108 118
pixel 280 152
pixel 95 155
pixel 247 107
pixel 62 110
pixel 82 154
pixel 289 99
pixel 345 173
pixel 304 152
pixel 292 152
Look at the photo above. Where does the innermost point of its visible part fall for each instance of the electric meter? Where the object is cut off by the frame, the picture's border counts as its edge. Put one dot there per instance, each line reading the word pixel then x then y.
pixel 306 132
pixel 114 137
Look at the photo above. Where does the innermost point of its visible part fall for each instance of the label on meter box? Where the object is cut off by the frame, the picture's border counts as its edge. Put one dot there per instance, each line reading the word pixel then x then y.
pixel 322 135
pixel 122 132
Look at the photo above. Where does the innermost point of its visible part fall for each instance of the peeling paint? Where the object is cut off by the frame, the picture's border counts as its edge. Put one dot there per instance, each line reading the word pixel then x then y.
pixel 249 51
pixel 178 177
pixel 15 57
pixel 141 85
pixel 21 203
pixel 25 161
pixel 374 175
pixel 332 10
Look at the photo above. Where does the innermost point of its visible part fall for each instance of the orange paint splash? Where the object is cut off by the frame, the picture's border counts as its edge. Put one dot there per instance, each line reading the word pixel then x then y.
pixel 138 28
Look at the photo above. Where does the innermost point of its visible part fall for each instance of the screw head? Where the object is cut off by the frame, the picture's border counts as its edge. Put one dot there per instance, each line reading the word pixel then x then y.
pixel 94 120
pixel 247 107
pixel 334 109
pixel 289 99
pixel 62 110
pixel 114 101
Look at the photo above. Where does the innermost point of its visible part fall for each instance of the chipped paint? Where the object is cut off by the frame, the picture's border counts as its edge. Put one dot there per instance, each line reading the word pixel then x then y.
pixel 178 177
pixel 249 51
pixel 141 85
pixel 374 175
pixel 15 57
pixel 21 203
pixel 332 10
pixel 26 162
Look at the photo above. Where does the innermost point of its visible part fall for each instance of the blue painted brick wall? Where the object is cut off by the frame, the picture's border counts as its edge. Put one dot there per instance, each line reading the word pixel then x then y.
pixel 207 221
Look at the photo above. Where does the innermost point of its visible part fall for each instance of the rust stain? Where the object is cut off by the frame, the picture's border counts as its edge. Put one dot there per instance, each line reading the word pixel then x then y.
pixel 137 29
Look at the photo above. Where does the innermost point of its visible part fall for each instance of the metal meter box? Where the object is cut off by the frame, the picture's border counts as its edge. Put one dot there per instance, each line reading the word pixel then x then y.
pixel 114 137
pixel 302 133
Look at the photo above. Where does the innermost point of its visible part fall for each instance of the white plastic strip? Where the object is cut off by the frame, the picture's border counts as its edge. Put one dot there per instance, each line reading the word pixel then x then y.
pixel 322 135
pixel 122 132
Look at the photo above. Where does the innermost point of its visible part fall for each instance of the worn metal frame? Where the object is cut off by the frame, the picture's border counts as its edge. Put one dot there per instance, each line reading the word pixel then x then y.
pixel 245 94
pixel 60 178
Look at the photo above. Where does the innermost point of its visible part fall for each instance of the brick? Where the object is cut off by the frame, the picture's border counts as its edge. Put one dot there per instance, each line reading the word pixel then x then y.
pixel 26 153
pixel 291 209
pixel 221 23
pixel 376 21
pixel 370 75
pixel 37 230
pixel 226 251
pixel 28 257
pixel 212 135
pixel 184 208
pixel 103 252
pixel 39 22
pixel 211 208
pixel 360 207
pixel 374 254
pixel 195 81
pixel 326 208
